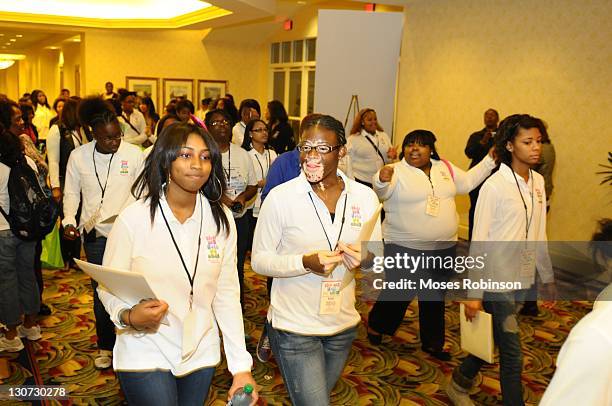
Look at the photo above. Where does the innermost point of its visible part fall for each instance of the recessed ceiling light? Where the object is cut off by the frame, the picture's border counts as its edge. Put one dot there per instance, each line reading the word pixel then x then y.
pixel 18 36
pixel 1 35
pixel 12 40
pixel 8 43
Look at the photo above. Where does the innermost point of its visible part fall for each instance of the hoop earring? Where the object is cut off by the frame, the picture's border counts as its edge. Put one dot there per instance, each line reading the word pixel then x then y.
pixel 220 191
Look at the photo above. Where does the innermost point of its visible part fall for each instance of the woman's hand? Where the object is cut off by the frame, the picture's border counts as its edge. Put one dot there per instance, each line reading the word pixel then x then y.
pixel 71 233
pixel 261 183
pixel 471 308
pixel 386 173
pixel 321 262
pixel 492 153
pixel 146 315
pixel 57 194
pixel 351 255
pixel 240 380
pixel 392 153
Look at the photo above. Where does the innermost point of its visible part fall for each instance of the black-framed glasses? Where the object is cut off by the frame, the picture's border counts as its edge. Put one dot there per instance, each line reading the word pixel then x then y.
pixel 321 149
pixel 217 123
pixel 260 130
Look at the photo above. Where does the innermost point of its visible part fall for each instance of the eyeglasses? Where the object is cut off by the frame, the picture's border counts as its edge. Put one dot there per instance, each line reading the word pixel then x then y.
pixel 217 123
pixel 260 130
pixel 321 149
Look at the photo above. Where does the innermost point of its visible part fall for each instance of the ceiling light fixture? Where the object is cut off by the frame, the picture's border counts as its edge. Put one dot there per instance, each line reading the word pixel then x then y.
pixel 19 36
pixel 5 64
pixel 13 40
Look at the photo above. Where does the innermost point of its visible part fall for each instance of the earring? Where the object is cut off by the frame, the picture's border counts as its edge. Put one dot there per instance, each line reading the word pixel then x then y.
pixel 220 190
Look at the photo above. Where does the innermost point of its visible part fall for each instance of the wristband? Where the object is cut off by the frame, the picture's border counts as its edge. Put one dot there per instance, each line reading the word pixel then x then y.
pixel 121 322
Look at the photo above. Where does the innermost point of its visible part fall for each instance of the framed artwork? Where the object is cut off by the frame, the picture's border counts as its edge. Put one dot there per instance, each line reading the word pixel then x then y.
pixel 177 88
pixel 144 87
pixel 211 88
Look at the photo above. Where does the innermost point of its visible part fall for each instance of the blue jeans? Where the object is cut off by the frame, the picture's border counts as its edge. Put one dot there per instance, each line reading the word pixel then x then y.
pixel 18 287
pixel 164 389
pixel 105 329
pixel 502 307
pixel 310 365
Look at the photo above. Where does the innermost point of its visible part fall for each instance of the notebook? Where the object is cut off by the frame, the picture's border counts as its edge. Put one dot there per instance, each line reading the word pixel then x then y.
pixel 477 335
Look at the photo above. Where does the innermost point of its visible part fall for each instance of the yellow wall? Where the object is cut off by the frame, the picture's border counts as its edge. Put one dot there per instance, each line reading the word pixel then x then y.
pixel 113 55
pixel 549 58
pixel 9 80
pixel 72 59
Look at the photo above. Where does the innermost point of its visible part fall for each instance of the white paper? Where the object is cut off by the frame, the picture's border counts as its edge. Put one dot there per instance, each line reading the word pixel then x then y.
pixel 364 235
pixel 477 335
pixel 131 287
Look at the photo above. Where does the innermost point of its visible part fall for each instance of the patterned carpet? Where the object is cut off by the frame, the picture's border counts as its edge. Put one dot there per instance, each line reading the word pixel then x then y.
pixel 395 373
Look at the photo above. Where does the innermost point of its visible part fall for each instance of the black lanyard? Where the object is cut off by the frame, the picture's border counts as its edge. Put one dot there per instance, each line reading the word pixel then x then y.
pixel 103 189
pixel 375 147
pixel 263 175
pixel 530 217
pixel 321 222
pixel 195 268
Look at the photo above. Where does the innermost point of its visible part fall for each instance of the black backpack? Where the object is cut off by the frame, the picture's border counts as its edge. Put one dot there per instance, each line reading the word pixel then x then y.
pixel 32 212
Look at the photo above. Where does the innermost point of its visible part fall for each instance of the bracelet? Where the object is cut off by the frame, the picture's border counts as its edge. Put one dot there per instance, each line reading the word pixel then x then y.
pixel 121 322
pixel 130 319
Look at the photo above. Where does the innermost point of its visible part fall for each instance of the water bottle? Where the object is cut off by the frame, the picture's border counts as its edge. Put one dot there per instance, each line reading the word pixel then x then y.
pixel 242 397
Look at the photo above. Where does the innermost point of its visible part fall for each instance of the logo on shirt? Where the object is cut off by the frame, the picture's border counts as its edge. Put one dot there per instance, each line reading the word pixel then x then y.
pixel 125 170
pixel 444 175
pixel 213 249
pixel 539 195
pixel 355 217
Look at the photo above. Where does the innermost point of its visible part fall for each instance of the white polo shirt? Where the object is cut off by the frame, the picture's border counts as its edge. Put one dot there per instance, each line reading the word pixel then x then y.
pixel 137 245
pixel 287 229
pixel 364 158
pixel 261 164
pixel 81 180
pixel 138 121
pixel 238 133
pixel 239 172
pixel 405 201
pixel 5 200
pixel 500 217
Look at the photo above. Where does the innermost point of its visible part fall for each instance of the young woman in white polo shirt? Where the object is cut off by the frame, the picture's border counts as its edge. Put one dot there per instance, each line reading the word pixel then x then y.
pixel 182 239
pixel 418 194
pixel 368 146
pixel 511 208
pixel 305 238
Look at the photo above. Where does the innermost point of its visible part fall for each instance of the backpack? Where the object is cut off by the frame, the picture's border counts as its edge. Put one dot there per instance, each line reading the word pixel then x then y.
pixel 32 212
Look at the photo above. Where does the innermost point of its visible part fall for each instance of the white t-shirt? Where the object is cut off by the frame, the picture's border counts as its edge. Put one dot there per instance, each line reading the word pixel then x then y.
pixel 288 228
pixel 81 179
pixel 365 160
pixel 405 201
pixel 5 201
pixel 238 133
pixel 137 245
pixel 239 172
pixel 136 120
pixel 261 164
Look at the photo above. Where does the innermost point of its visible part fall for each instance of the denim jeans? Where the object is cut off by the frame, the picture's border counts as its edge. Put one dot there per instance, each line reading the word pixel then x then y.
pixel 310 365
pixel 105 329
pixel 502 307
pixel 18 287
pixel 161 388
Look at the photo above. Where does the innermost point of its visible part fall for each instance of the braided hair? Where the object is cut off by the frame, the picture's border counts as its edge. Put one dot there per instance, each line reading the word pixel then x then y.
pixel 326 122
pixel 95 111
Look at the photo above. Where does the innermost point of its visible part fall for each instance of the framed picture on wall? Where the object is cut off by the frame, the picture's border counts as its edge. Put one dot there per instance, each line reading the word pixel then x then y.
pixel 177 88
pixel 144 87
pixel 211 88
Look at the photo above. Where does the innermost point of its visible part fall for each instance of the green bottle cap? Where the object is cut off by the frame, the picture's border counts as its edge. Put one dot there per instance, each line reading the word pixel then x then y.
pixel 248 388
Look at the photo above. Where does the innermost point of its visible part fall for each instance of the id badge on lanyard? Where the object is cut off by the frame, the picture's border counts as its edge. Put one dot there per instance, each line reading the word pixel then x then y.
pixel 331 297
pixel 433 206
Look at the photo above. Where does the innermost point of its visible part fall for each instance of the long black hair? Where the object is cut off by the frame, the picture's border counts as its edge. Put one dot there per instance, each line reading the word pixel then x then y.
pixel 421 137
pixel 248 139
pixel 509 129
pixel 277 111
pixel 34 99
pixel 150 183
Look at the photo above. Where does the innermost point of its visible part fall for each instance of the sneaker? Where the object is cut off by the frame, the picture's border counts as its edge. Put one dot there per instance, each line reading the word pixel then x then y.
pixel 14 345
pixel 104 359
pixel 32 333
pixel 458 395
pixel 264 352
pixel 44 310
pixel 439 354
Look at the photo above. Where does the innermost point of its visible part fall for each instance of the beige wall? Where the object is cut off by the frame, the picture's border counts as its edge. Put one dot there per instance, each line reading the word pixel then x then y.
pixel 9 80
pixel 549 58
pixel 113 55
pixel 72 59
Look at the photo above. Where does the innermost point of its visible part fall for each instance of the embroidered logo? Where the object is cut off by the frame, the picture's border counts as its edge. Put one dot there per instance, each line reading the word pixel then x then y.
pixel 125 170
pixel 213 249
pixel 539 194
pixel 355 217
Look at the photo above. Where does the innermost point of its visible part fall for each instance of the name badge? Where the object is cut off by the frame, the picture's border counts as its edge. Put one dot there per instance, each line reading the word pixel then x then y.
pixel 93 220
pixel 433 206
pixel 527 263
pixel 330 297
